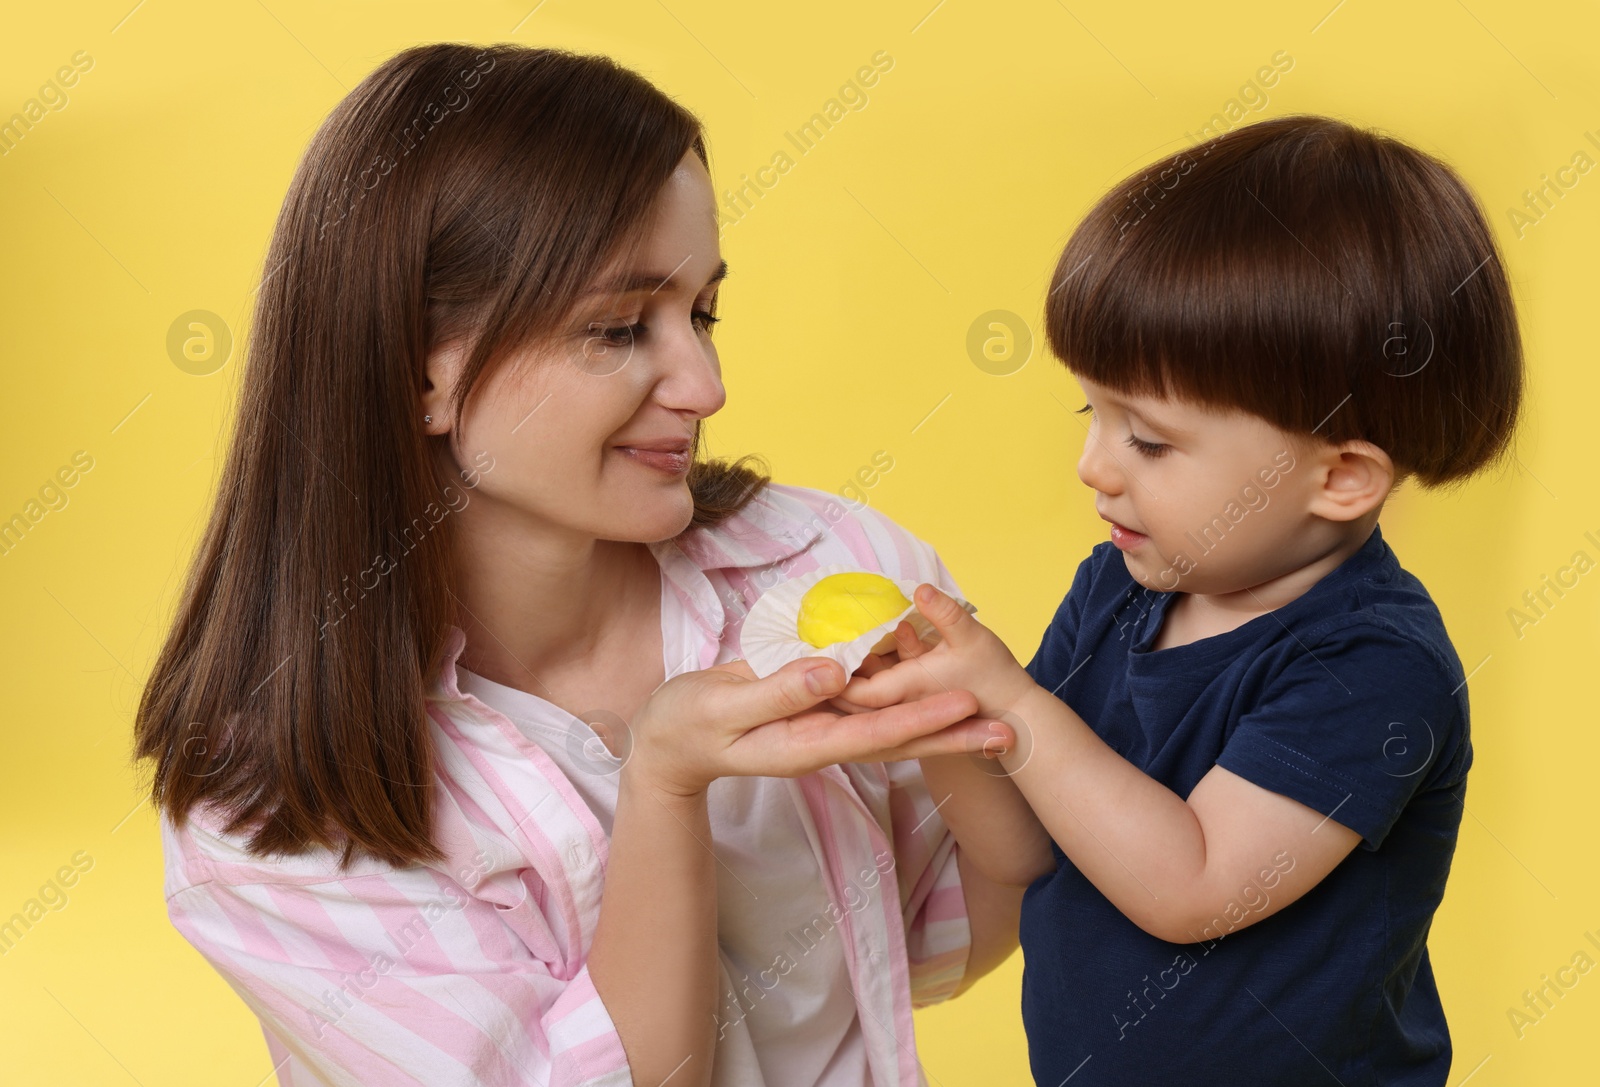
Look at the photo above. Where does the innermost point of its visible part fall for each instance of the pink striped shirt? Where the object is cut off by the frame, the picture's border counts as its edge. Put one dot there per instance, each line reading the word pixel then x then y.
pixel 472 970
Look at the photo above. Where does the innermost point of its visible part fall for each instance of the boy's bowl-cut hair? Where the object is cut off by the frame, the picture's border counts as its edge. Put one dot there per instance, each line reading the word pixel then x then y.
pixel 1336 282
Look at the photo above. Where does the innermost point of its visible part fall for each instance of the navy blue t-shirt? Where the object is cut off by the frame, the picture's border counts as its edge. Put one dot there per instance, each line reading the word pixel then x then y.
pixel 1349 699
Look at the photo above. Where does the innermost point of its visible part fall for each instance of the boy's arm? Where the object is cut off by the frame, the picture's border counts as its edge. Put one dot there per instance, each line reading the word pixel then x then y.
pixel 991 819
pixel 1001 845
pixel 1233 850
pixel 984 810
pixel 1001 848
pixel 993 823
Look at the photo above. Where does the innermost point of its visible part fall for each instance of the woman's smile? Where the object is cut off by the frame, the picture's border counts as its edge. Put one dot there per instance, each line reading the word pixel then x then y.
pixel 669 455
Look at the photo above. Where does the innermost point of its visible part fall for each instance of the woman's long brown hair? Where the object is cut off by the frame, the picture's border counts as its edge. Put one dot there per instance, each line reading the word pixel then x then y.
pixel 457 188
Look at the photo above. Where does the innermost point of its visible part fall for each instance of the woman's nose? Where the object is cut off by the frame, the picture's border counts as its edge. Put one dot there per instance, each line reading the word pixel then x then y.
pixel 691 381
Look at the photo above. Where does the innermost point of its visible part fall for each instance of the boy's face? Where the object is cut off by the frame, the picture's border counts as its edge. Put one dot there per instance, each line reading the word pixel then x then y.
pixel 1201 500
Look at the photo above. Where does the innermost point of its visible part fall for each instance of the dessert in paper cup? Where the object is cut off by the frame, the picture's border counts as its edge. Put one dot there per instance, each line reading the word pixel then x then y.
pixel 836 611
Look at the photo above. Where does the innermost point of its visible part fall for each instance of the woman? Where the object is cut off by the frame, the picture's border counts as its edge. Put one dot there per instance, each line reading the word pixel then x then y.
pixel 461 780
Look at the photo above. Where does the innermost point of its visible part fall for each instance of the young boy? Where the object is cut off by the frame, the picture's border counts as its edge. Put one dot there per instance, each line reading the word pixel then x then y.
pixel 1245 730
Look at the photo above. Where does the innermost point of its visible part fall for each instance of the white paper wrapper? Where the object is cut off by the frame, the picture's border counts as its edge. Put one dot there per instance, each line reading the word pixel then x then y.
pixel 769 640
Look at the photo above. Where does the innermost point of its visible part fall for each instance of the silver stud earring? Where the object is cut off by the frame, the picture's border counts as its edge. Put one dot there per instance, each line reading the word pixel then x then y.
pixel 427 418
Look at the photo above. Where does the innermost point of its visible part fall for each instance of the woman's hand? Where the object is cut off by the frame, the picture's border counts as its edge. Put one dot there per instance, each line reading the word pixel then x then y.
pixel 724 721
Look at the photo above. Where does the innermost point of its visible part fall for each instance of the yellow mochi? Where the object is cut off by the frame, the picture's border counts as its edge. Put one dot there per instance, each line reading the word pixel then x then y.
pixel 842 607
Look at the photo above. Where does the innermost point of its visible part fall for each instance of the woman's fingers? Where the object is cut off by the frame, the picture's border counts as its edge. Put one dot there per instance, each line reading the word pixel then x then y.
pixel 974 736
pixel 783 725
pixel 739 667
pixel 795 687
pixel 817 738
pixel 861 736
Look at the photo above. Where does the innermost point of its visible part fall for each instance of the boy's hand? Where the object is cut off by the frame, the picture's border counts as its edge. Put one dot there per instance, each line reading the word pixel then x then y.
pixel 968 656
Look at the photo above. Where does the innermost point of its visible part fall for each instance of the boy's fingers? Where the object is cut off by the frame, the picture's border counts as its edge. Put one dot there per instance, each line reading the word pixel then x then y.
pixel 874 663
pixel 844 705
pixel 884 689
pixel 950 619
pixel 906 641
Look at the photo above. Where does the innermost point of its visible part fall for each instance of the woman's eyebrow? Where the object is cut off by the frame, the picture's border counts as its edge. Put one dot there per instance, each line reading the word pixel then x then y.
pixel 653 282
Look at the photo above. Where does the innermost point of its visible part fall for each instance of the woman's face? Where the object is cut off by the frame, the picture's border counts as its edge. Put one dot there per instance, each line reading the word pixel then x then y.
pixel 591 432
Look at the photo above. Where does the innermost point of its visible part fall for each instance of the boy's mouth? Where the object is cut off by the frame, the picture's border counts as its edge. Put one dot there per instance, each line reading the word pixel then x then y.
pixel 1125 538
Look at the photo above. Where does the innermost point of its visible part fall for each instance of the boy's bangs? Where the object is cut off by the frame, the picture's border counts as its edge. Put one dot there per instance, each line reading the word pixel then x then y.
pixel 1329 280
pixel 1208 299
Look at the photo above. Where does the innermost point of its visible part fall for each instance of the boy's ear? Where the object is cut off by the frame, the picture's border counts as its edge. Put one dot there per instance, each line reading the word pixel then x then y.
pixel 1357 477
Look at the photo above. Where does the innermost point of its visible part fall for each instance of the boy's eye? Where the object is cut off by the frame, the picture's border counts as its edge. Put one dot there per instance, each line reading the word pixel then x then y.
pixel 1148 449
pixel 705 318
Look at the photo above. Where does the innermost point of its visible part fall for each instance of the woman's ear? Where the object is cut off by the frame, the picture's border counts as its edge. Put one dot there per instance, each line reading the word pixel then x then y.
pixel 442 370
pixel 1357 477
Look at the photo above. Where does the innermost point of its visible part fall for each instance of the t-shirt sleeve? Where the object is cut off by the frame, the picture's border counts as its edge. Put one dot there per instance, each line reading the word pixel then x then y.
pixel 1052 661
pixel 1354 727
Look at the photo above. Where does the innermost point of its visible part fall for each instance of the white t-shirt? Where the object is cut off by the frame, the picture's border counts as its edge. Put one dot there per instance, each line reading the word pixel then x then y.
pixel 791 990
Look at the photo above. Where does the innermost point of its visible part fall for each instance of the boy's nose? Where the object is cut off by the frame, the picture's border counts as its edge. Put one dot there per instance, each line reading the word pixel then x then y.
pixel 1097 469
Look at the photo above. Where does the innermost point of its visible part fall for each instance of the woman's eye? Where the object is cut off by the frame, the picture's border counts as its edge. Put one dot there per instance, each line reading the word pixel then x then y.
pixel 1148 449
pixel 616 335
pixel 623 335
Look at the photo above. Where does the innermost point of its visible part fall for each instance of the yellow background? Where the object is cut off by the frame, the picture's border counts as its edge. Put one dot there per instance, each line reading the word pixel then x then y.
pixel 856 279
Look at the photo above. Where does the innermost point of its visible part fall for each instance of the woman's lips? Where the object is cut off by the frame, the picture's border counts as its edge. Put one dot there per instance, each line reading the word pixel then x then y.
pixel 1125 538
pixel 673 462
